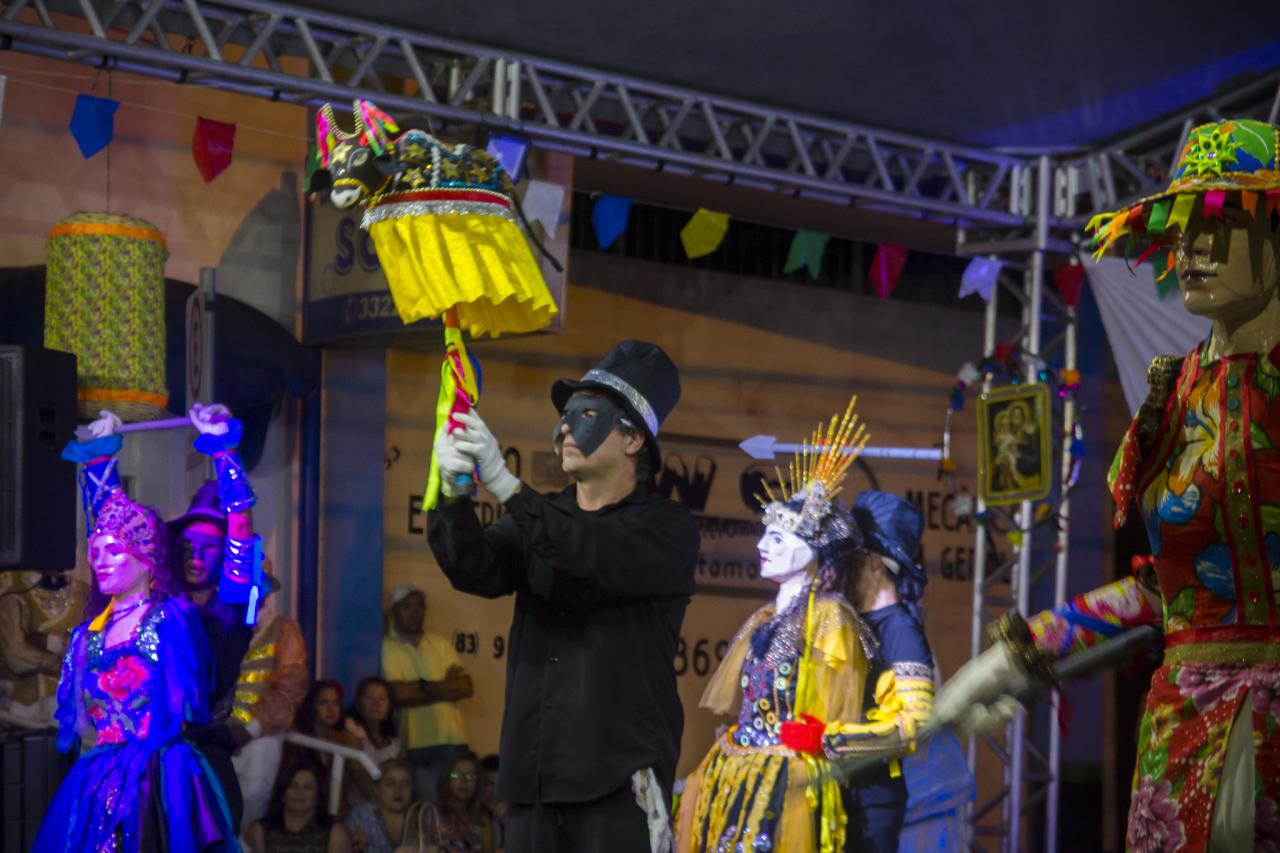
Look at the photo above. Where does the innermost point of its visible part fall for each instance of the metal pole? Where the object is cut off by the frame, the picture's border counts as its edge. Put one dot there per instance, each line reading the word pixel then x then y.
pixel 980 549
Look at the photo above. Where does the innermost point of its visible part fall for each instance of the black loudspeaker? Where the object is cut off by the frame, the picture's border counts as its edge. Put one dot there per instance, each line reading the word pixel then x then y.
pixel 37 487
pixel 31 769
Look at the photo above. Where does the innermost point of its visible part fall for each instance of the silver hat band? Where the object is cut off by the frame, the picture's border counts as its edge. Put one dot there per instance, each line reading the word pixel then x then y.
pixel 630 394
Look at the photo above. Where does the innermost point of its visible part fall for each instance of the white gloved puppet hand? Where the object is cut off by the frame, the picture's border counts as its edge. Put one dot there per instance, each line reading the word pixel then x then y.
pixel 210 420
pixel 453 463
pixel 106 424
pixel 476 440
pixel 980 696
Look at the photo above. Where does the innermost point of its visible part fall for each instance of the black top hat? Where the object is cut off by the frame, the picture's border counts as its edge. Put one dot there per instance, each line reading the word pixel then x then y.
pixel 204 506
pixel 641 377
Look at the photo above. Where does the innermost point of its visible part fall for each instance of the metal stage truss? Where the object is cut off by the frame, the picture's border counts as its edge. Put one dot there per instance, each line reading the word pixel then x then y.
pixel 1020 208
pixel 304 56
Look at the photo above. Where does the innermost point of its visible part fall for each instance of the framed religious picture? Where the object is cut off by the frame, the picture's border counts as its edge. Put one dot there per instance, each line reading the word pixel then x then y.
pixel 1014 453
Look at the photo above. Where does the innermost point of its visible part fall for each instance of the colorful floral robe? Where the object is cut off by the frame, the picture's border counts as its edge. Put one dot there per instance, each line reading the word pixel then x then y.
pixel 1204 468
pixel 753 793
pixel 137 786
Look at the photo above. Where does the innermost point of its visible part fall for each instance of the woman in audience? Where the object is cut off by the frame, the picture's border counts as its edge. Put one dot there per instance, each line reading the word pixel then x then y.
pixel 462 826
pixel 371 724
pixel 296 820
pixel 493 810
pixel 381 826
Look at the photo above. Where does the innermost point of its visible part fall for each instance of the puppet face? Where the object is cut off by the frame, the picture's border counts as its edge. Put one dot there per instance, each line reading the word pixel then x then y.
pixel 783 554
pixel 591 419
pixel 355 174
pixel 117 570
pixel 1227 268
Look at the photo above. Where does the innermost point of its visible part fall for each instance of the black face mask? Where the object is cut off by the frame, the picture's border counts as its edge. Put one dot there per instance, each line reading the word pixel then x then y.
pixel 590 418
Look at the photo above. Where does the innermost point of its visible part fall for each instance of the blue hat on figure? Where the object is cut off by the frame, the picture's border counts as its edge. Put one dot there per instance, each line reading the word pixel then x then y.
pixel 892 527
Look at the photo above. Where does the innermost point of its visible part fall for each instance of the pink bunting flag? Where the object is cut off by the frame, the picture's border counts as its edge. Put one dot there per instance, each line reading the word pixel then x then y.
pixel 1213 201
pixel 886 267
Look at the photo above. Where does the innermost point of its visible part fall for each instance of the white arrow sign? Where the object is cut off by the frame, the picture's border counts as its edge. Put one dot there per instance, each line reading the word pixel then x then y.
pixel 767 447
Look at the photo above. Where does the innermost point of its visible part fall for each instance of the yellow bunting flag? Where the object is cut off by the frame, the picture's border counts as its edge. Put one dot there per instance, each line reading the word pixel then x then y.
pixel 704 232
pixel 1181 214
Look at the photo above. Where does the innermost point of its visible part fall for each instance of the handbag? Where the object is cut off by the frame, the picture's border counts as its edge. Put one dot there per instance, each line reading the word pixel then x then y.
pixel 422 830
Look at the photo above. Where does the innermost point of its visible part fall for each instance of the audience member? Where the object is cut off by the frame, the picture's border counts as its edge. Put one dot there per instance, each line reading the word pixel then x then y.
pixel 296 820
pixel 380 826
pixel 371 723
pixel 462 826
pixel 493 810
pixel 427 681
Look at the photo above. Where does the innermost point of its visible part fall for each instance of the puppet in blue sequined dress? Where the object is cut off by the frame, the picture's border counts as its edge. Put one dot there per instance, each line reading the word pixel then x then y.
pixel 133 677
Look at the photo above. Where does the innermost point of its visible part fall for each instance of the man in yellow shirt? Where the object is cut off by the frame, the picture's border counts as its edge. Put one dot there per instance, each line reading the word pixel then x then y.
pixel 427 681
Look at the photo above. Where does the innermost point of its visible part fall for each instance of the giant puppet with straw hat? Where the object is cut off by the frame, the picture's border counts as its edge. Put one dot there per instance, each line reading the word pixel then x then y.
pixel 1201 464
pixel 446 225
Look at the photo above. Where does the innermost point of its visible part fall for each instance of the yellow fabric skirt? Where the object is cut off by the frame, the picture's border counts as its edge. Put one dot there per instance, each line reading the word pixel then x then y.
pixel 730 802
pixel 477 262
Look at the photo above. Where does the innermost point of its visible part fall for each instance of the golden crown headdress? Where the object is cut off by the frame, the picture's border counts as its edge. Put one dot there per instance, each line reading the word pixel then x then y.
pixel 816 474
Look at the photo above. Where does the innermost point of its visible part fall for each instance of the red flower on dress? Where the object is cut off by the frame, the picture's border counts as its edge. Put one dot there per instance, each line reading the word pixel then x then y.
pixel 96 713
pixel 1153 819
pixel 144 725
pixel 124 679
pixel 111 734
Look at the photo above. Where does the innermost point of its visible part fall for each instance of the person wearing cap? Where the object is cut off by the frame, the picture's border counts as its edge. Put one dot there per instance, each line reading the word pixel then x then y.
pixel 601 573
pixel 1201 463
pixel 427 682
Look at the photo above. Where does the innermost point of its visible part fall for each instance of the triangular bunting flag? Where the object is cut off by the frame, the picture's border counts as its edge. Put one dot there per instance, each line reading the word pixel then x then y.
pixel 609 218
pixel 1068 278
pixel 212 146
pixel 541 203
pixel 806 250
pixel 886 267
pixel 980 277
pixel 93 123
pixel 704 232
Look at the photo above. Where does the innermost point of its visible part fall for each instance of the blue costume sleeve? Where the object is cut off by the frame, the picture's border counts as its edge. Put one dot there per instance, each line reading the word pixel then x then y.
pixel 242 581
pixel 99 476
pixel 69 704
pixel 184 661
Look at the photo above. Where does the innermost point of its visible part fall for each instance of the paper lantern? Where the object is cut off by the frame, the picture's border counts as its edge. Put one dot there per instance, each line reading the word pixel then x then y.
pixel 104 302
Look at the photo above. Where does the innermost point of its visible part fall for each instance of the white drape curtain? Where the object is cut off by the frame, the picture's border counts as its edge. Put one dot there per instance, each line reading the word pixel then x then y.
pixel 1139 324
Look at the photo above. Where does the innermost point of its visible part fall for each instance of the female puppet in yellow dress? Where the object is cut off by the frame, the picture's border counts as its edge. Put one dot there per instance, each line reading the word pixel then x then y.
pixel 771 781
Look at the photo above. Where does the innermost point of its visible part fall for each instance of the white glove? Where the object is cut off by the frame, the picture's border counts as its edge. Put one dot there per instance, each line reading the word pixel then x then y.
pixel 476 440
pixel 210 420
pixel 980 696
pixel 453 463
pixel 105 425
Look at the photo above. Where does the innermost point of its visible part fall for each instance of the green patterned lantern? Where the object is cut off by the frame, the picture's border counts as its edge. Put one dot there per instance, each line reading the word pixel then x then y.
pixel 104 302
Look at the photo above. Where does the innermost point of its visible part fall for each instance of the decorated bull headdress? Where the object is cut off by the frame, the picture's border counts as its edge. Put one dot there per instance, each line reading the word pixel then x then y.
pixel 446 226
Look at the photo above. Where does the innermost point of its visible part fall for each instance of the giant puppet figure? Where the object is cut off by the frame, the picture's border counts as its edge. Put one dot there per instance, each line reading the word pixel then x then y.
pixel 795 675
pixel 1201 463
pixel 136 679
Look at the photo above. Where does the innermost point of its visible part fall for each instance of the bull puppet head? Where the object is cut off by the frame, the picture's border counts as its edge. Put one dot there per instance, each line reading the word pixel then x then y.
pixel 354 166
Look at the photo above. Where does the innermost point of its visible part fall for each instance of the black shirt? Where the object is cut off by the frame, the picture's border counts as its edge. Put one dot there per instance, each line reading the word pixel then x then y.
pixel 229 640
pixel 600 597
pixel 902 641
